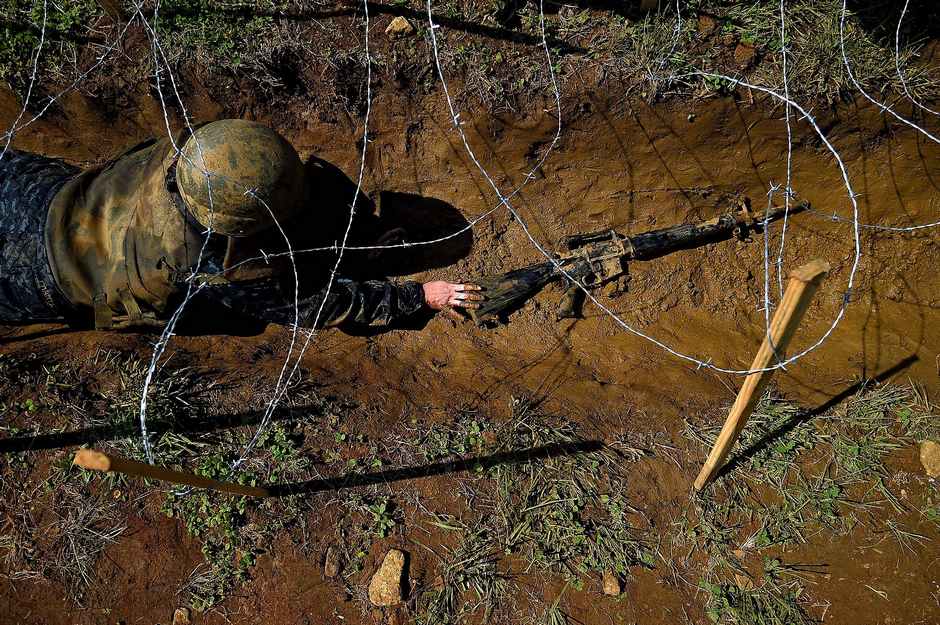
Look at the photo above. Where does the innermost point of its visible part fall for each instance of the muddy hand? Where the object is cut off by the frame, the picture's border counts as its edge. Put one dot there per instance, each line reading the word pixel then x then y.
pixel 446 296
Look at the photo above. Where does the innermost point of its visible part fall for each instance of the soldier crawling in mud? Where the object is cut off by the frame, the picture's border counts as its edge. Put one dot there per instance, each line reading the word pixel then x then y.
pixel 120 243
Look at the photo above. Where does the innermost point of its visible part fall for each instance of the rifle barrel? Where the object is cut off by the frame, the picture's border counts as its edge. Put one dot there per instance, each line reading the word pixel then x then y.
pixel 657 243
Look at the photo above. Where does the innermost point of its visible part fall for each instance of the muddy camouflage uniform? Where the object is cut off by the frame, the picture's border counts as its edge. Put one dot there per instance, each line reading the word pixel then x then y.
pixel 28 291
pixel 118 242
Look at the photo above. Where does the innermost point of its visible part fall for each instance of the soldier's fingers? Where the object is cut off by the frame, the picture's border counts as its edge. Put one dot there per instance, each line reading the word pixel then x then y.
pixel 466 296
pixel 453 314
pixel 468 287
pixel 465 304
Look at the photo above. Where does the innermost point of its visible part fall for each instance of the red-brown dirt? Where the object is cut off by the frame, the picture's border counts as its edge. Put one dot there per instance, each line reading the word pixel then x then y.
pixel 619 164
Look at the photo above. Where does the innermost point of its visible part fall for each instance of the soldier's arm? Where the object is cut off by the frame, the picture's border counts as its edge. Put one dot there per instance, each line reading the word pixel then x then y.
pixel 363 303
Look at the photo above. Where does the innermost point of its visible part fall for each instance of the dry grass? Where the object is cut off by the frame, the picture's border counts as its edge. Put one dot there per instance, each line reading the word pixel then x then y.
pixel 804 476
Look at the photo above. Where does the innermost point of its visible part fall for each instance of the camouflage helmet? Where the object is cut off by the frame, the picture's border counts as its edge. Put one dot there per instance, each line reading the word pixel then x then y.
pixel 239 156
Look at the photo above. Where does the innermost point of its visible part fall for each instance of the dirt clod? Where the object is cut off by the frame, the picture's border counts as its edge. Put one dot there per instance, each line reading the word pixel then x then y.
pixel 611 584
pixel 706 25
pixel 385 589
pixel 395 617
pixel 744 55
pixel 930 457
pixel 744 582
pixel 399 27
pixel 182 616
pixel 331 563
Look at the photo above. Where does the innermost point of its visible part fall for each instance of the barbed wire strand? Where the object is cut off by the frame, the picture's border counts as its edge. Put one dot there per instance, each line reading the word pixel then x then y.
pixel 854 80
pixel 280 390
pixel 32 78
pixel 192 289
pixel 897 63
pixel 788 188
pixel 8 135
pixel 766 228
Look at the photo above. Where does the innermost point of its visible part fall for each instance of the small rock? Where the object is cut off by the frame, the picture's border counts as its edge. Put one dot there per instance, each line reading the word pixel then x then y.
pixel 611 289
pixel 386 584
pixel 744 55
pixel 182 616
pixel 930 457
pixel 399 27
pixel 612 586
pixel 331 563
pixel 706 25
pixel 744 582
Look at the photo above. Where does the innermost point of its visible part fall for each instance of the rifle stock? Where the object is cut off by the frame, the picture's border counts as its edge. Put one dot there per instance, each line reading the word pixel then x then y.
pixel 507 293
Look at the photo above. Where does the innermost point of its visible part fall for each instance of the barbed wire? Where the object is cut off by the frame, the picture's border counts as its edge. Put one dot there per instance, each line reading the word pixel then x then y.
pixel 788 188
pixel 192 289
pixel 50 100
pixel 162 63
pixel 848 67
pixel 767 304
pixel 32 78
pixel 280 391
pixel 897 62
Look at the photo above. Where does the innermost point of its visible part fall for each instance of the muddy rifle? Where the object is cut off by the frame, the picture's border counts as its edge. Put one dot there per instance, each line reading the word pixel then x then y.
pixel 600 258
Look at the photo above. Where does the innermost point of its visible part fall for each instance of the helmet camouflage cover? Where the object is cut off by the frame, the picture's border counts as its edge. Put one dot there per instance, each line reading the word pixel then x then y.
pixel 237 177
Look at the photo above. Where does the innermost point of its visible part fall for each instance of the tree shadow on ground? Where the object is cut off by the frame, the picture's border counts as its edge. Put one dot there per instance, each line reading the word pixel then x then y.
pixel 354 480
pixel 130 428
pixel 419 16
pixel 880 18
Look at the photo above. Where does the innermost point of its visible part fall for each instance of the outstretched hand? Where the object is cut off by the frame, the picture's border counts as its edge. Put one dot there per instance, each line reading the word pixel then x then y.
pixel 446 296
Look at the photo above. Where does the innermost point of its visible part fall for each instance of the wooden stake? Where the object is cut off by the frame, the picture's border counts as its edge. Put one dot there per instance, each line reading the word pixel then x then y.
pixel 804 281
pixel 97 461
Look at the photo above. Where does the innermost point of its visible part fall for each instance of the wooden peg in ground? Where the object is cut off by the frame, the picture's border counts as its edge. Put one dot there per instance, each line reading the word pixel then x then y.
pixel 97 461
pixel 803 284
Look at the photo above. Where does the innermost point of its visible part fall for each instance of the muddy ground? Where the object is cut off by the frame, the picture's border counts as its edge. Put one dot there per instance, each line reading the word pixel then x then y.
pixel 621 163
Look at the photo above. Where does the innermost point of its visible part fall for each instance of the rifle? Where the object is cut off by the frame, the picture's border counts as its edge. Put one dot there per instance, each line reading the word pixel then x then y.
pixel 593 260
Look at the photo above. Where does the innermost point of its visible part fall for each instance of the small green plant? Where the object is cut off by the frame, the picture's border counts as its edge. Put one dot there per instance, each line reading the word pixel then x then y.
pixel 382 521
pixel 230 543
pixel 21 25
pixel 567 514
pixel 797 474
pixel 765 605
pixel 220 33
